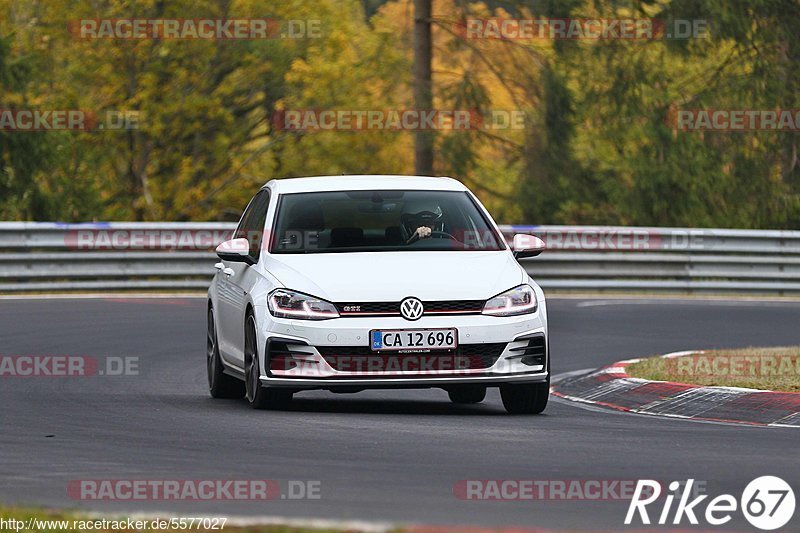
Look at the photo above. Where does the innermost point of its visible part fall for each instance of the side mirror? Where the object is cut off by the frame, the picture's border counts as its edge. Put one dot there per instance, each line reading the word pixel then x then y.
pixel 527 245
pixel 235 250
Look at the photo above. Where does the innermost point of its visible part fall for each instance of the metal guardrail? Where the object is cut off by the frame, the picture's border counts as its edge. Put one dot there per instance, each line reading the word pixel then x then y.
pixel 179 256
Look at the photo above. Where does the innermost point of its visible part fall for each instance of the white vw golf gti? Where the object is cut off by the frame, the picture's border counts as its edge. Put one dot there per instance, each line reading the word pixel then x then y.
pixel 345 283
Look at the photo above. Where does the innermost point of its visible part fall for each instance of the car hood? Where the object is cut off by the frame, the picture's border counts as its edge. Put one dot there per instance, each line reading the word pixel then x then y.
pixel 392 276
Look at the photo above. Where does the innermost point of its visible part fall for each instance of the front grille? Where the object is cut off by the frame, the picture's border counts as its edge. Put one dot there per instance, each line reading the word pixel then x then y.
pixel 463 306
pixel 393 308
pixel 369 308
pixel 465 356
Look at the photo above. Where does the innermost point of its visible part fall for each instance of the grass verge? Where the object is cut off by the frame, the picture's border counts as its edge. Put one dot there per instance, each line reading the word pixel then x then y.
pixel 776 369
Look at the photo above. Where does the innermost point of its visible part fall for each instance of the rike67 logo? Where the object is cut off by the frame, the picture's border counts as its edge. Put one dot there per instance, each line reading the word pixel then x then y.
pixel 767 503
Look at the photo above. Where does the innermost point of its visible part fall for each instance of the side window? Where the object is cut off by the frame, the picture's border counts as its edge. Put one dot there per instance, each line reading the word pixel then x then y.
pixel 240 232
pixel 251 227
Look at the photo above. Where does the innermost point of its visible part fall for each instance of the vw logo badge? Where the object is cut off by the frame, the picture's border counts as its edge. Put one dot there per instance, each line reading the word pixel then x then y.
pixel 411 308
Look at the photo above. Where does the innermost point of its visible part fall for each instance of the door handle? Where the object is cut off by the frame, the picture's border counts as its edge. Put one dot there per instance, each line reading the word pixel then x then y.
pixel 219 266
pixel 227 271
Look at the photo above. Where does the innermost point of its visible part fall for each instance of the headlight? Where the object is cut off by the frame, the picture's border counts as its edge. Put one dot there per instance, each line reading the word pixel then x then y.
pixel 517 301
pixel 284 303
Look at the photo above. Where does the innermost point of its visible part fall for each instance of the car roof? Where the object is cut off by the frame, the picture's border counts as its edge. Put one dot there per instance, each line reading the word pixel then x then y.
pixel 363 182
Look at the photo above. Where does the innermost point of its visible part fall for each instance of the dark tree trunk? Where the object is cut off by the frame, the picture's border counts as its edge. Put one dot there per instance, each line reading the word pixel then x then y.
pixel 423 94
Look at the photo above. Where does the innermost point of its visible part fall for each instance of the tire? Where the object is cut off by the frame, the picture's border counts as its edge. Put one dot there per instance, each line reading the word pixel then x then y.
pixel 220 385
pixel 259 397
pixel 467 394
pixel 525 399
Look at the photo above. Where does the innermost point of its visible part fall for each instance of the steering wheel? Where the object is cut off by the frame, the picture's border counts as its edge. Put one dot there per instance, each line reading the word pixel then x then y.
pixel 441 234
pixel 444 235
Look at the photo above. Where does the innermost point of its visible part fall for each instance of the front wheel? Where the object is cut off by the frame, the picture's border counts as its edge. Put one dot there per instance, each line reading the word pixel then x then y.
pixel 258 396
pixel 220 385
pixel 525 398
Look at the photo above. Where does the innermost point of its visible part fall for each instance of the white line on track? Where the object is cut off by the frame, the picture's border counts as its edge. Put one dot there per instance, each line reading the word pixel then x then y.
pixel 732 301
pixel 103 296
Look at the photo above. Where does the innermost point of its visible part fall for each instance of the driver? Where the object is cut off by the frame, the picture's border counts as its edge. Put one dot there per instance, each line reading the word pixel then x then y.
pixel 420 219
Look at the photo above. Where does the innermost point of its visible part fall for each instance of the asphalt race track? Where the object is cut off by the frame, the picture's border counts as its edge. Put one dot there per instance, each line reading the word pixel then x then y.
pixel 382 455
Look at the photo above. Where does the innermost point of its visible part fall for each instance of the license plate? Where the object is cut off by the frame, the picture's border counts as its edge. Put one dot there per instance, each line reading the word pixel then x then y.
pixel 413 339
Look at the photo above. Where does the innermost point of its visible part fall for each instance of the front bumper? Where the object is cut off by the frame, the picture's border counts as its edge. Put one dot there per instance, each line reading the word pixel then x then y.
pixel 297 354
pixel 400 383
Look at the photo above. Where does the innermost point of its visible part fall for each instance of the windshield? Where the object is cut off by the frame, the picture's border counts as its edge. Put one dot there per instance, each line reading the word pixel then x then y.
pixel 367 221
